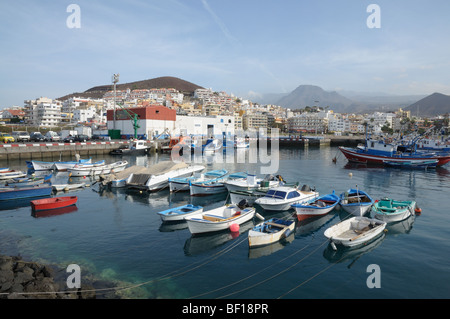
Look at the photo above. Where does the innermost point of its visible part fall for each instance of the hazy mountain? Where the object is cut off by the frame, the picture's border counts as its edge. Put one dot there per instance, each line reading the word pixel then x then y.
pixel 431 105
pixel 183 86
pixel 311 95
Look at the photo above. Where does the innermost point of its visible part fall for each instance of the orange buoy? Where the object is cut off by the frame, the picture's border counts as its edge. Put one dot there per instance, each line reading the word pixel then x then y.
pixel 418 210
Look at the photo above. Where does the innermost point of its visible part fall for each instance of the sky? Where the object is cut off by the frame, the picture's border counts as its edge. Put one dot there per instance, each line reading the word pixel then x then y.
pixel 246 47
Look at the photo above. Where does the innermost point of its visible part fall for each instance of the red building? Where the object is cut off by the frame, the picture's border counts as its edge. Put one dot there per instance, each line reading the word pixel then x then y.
pixel 152 119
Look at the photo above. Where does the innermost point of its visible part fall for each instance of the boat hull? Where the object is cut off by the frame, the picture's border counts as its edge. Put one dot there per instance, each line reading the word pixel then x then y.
pixel 274 204
pixel 317 207
pixel 64 166
pixel 180 213
pixel 42 166
pixel 361 157
pixel 356 202
pixel 178 186
pixel 203 223
pixel 53 203
pixel 270 232
pixel 390 214
pixel 352 232
pixel 97 170
pixel 207 189
pixel 12 174
pixel 25 192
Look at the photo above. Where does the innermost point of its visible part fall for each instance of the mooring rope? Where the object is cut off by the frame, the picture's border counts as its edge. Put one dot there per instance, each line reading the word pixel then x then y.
pixel 248 277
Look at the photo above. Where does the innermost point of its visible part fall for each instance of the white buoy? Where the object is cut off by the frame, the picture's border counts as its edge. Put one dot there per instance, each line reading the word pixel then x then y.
pixel 350 175
pixel 259 216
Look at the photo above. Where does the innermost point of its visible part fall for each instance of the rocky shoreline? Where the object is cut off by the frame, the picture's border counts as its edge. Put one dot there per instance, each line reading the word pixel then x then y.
pixel 21 279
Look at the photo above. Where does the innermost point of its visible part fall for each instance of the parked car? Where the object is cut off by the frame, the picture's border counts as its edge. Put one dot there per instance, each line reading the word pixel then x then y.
pixel 21 136
pixel 76 138
pixel 37 137
pixel 6 138
pixel 52 136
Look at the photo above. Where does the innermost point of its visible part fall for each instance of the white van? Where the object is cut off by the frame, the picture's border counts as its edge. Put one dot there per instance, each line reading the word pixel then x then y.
pixel 52 136
pixel 21 136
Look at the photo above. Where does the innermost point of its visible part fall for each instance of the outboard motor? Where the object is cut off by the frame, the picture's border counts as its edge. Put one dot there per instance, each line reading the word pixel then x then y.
pixel 243 204
pixel 305 188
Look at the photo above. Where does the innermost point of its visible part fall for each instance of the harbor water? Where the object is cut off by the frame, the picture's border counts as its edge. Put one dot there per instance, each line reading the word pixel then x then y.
pixel 117 236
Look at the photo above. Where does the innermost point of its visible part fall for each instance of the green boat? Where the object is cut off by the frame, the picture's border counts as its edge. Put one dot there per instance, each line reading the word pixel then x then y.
pixel 390 210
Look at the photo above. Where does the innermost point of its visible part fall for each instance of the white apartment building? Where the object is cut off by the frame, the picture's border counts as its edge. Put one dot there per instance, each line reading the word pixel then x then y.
pixel 43 112
pixel 84 115
pixel 204 125
pixel 310 122
pixel 380 119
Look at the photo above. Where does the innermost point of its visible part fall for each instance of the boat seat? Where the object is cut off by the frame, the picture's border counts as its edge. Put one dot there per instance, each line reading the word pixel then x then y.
pixel 275 224
pixel 387 209
pixel 213 218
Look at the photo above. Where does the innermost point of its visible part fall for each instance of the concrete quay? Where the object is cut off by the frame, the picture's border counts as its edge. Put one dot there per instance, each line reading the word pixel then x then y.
pixel 57 150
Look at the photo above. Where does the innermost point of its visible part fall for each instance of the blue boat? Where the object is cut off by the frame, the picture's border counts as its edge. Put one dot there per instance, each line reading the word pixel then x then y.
pixel 356 202
pixel 180 212
pixel 28 181
pixel 177 184
pixel 316 207
pixel 12 193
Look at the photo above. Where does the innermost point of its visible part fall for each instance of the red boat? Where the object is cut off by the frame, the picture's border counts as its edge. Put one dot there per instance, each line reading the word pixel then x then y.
pixel 53 202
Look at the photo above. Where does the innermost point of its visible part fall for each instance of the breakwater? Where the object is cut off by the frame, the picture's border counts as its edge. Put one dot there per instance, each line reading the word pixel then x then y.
pixel 58 150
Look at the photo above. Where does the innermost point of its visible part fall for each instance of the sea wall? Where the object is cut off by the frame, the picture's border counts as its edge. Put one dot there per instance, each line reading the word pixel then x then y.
pixel 55 150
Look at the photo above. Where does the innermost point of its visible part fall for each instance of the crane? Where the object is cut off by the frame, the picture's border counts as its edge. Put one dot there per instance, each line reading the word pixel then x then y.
pixel 134 117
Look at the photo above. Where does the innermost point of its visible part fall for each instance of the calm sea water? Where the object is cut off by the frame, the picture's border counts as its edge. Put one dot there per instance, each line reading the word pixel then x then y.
pixel 117 236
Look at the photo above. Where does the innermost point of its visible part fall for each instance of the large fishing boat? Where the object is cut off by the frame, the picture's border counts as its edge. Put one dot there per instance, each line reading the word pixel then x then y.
pixel 383 150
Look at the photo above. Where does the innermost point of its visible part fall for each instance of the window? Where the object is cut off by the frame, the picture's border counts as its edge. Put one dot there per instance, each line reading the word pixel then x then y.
pixel 293 194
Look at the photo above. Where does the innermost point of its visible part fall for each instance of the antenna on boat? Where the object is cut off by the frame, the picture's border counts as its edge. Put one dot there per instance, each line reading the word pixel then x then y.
pixel 359 200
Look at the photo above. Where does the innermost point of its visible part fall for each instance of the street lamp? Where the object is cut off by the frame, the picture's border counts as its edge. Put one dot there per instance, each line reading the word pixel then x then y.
pixel 115 79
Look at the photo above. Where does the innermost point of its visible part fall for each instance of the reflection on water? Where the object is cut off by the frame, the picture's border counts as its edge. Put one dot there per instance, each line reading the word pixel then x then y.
pixel 54 212
pixel 201 243
pixel 345 254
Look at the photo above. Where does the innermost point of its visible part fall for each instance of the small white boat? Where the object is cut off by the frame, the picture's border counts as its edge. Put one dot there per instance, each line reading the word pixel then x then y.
pixel 67 187
pixel 11 174
pixel 356 202
pixel 213 186
pixel 153 182
pixel 252 182
pixel 220 218
pixel 354 231
pixel 270 231
pixel 64 166
pixel 42 166
pixel 316 207
pixel 89 169
pixel 137 147
pixel 390 210
pixel 283 197
pixel 180 213
pixel 28 181
pixel 177 184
